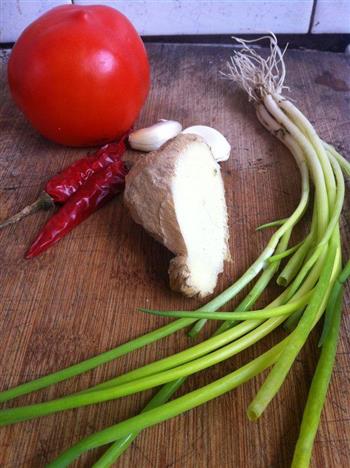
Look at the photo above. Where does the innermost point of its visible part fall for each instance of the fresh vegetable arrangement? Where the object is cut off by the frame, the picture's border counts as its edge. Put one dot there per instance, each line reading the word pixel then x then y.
pixel 92 181
pixel 312 278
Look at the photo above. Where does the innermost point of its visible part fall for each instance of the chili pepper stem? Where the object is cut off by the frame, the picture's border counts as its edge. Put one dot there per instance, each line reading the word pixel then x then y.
pixel 44 202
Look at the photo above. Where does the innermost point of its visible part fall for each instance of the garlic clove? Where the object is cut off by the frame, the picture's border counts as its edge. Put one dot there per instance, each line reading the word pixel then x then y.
pixel 153 137
pixel 216 141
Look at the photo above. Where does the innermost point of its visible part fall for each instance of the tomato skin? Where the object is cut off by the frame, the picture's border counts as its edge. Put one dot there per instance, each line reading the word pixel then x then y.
pixel 80 74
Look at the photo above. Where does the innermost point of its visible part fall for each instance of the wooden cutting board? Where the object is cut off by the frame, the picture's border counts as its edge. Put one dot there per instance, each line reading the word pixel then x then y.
pixel 80 297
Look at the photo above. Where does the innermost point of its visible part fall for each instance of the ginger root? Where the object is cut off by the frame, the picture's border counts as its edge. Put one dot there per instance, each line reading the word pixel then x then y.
pixel 177 194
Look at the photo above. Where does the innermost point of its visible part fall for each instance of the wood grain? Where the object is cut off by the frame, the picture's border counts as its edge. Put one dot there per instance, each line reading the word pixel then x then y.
pixel 79 298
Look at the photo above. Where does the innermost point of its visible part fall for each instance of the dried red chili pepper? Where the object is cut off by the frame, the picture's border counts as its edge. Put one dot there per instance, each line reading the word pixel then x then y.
pixel 98 190
pixel 63 185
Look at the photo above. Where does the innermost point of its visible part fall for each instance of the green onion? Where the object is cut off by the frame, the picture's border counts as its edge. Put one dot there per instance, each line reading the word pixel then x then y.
pixel 292 320
pixel 298 338
pixel 278 222
pixel 13 415
pixel 343 163
pixel 171 409
pixel 259 286
pixel 344 275
pixel 96 361
pixel 115 353
pixel 119 447
pixel 318 389
pixel 286 253
pixel 294 264
pixel 285 309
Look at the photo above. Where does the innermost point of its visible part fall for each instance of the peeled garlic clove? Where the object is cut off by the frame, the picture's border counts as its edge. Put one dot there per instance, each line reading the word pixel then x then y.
pixel 153 137
pixel 216 141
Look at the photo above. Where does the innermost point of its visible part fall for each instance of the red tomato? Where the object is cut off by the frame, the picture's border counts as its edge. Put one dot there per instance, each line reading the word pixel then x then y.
pixel 80 74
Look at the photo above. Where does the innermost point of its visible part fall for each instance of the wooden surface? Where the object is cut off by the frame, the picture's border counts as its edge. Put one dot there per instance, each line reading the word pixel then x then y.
pixel 79 298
